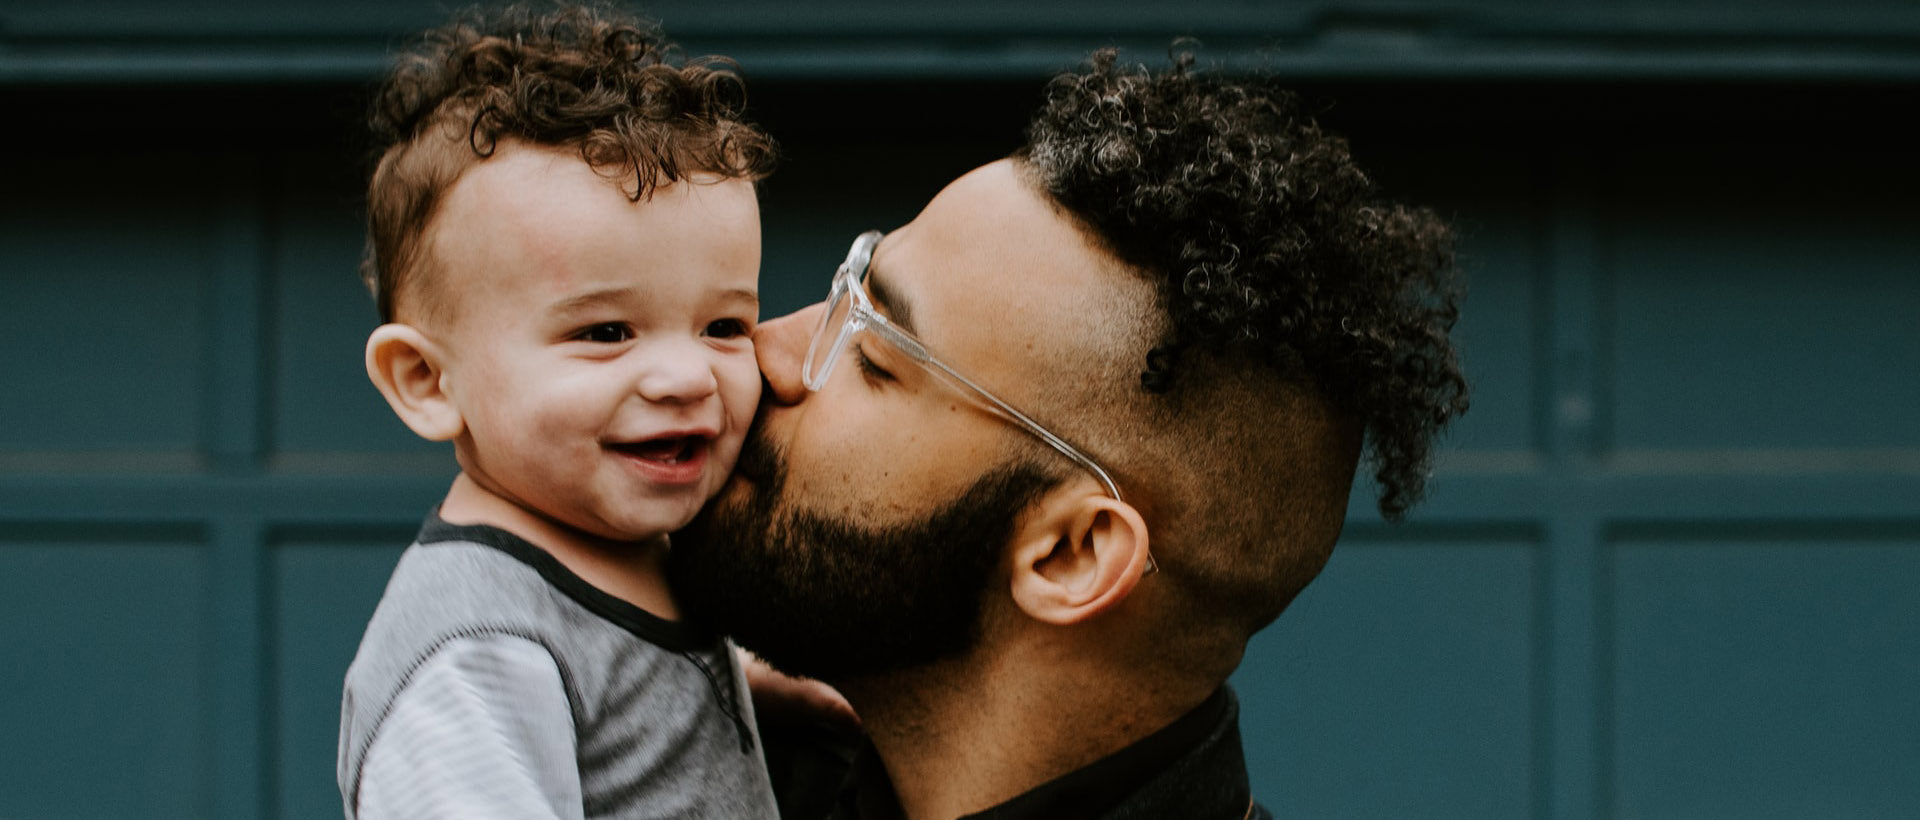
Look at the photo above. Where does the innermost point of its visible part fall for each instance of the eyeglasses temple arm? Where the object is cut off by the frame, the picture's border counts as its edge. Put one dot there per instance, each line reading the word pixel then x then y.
pixel 913 348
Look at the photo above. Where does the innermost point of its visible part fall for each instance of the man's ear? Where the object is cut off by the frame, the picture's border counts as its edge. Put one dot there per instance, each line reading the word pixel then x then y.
pixel 1077 557
pixel 407 367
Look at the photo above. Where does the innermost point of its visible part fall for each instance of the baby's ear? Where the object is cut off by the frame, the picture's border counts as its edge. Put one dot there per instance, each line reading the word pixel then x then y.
pixel 408 368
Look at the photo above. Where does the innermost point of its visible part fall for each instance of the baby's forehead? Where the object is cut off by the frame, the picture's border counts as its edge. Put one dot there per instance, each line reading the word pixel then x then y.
pixel 524 199
pixel 538 229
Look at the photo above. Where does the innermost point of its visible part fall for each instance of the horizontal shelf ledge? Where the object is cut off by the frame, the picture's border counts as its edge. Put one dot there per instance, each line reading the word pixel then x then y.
pixel 1452 497
pixel 1360 55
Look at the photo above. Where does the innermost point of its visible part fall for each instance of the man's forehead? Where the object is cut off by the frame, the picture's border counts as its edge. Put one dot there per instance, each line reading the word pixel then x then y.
pixel 992 272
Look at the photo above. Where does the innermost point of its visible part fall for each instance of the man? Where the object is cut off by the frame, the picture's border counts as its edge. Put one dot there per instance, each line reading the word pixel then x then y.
pixel 1026 483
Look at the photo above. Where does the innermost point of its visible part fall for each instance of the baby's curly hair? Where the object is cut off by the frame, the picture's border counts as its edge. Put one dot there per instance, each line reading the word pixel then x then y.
pixel 568 75
pixel 1265 242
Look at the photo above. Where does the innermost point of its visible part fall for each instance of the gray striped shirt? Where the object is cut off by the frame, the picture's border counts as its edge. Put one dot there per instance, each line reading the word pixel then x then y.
pixel 493 682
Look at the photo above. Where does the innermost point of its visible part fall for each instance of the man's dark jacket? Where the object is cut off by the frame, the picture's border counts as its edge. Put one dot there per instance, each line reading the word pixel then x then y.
pixel 1193 768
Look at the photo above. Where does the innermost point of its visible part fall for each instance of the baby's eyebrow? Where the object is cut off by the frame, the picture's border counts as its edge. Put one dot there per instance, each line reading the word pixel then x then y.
pixel 592 298
pixel 748 295
pixel 606 296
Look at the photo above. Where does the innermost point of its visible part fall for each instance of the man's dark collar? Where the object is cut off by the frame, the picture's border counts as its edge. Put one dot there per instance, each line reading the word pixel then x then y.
pixel 1192 768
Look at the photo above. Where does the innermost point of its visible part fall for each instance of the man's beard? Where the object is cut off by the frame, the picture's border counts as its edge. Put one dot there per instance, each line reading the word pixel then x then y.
pixel 830 598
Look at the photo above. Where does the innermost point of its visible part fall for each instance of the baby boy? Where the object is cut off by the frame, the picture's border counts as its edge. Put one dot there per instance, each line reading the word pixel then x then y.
pixel 564 243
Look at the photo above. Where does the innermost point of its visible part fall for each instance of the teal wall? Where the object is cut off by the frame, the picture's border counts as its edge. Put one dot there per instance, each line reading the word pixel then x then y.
pixel 1669 564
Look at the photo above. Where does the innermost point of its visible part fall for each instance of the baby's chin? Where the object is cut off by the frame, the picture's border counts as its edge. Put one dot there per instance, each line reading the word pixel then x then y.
pixel 652 522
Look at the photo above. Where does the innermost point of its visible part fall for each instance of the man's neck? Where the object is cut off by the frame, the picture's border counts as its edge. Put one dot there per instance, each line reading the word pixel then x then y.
pixel 630 571
pixel 963 737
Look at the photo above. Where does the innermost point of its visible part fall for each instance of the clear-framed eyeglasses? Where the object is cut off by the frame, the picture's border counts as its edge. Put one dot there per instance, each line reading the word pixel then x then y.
pixel 849 311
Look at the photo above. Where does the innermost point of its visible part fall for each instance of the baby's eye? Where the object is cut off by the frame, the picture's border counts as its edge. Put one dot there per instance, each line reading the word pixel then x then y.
pixel 726 328
pixel 605 333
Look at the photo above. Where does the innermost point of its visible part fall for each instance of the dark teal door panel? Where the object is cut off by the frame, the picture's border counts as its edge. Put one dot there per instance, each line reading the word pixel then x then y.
pixel 324 585
pixel 106 676
pixel 109 263
pixel 1404 683
pixel 318 318
pixel 1765 673
pixel 1760 307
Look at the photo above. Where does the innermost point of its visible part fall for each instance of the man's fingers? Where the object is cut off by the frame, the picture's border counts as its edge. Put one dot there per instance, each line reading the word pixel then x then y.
pixel 780 696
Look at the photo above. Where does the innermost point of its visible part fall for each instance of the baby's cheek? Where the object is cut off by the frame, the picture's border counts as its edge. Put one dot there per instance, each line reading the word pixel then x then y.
pixel 740 388
pixel 740 398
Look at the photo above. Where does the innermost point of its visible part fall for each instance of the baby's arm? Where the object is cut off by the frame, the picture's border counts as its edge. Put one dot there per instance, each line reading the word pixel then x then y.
pixel 482 730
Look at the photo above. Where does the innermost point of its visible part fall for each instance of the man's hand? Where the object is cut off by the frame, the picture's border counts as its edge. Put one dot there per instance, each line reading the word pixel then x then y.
pixel 780 697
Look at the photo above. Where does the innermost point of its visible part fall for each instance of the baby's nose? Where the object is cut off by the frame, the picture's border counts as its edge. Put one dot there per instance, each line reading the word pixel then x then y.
pixel 680 376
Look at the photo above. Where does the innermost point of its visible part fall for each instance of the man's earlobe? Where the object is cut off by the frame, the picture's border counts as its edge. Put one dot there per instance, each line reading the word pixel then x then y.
pixel 1076 561
pixel 407 368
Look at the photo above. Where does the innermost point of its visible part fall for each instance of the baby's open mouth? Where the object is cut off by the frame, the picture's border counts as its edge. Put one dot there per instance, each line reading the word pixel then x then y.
pixel 670 450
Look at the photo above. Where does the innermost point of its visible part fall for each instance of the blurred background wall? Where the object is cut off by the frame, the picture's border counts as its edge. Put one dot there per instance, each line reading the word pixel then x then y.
pixel 1670 566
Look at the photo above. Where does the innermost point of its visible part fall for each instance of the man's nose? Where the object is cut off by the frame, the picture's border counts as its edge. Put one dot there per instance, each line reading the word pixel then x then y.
pixel 780 345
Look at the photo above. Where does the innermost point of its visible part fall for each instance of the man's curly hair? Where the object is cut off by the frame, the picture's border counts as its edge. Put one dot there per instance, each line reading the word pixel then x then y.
pixel 586 77
pixel 1265 242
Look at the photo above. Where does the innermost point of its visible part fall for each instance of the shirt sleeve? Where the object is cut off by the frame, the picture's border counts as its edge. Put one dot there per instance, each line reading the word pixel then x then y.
pixel 482 730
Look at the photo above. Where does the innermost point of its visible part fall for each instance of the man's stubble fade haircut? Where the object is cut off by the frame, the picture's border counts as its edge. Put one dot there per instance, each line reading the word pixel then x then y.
pixel 581 76
pixel 1298 320
pixel 822 596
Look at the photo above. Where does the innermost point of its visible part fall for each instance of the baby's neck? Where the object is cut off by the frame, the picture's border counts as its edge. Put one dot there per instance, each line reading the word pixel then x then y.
pixel 631 571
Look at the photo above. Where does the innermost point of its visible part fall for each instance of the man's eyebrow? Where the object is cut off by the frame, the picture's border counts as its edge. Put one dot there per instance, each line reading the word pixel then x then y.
pixel 897 310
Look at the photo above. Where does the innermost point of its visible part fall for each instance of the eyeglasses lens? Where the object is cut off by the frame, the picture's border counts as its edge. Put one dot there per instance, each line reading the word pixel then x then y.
pixel 830 336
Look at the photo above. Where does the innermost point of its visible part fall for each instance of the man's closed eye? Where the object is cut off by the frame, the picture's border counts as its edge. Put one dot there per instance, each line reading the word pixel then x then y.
pixel 868 369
